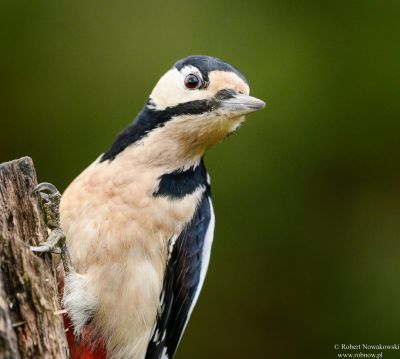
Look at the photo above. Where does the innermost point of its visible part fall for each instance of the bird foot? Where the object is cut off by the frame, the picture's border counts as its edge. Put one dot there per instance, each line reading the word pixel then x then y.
pixel 55 243
pixel 50 197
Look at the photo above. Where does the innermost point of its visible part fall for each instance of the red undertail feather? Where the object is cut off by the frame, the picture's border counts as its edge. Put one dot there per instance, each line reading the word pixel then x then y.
pixel 87 346
pixel 81 348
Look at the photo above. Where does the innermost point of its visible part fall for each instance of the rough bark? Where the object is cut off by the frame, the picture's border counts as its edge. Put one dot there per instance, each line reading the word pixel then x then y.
pixel 30 323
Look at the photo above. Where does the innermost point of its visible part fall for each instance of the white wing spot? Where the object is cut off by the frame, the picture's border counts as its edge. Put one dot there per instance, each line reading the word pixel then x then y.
pixel 208 179
pixel 171 245
pixel 164 354
pixel 156 336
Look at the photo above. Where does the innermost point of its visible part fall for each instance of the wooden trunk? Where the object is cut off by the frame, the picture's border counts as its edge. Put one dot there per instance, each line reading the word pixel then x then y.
pixel 30 323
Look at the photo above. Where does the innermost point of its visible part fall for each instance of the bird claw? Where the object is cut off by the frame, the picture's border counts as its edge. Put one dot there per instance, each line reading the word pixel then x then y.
pixel 46 186
pixel 43 248
pixel 55 243
pixel 51 197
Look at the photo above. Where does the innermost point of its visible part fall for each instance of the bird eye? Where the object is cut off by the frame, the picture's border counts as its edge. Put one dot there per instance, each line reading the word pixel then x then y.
pixel 192 82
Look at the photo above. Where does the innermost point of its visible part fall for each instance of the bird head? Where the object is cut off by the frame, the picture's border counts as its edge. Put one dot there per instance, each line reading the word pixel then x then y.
pixel 207 88
pixel 195 104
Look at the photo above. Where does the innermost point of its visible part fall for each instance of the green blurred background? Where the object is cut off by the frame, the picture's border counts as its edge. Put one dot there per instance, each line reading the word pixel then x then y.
pixel 307 194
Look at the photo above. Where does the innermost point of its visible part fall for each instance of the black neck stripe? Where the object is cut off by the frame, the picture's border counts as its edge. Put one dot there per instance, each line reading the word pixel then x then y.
pixel 180 183
pixel 150 119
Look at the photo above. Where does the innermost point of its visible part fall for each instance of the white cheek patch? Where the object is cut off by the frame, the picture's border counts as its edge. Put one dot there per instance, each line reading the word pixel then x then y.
pixel 170 90
pixel 166 84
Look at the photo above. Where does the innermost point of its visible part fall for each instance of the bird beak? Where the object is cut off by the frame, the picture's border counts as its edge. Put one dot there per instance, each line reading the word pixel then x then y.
pixel 241 104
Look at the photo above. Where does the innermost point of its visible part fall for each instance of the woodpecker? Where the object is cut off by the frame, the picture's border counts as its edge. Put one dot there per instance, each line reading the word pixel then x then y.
pixel 136 227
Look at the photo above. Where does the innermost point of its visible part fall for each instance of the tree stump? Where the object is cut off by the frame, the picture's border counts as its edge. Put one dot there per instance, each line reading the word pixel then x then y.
pixel 31 325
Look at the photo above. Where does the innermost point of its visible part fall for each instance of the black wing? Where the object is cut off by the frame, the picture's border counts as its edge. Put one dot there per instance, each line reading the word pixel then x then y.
pixel 181 283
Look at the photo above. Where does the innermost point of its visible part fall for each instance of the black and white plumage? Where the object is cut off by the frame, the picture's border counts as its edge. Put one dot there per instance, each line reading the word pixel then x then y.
pixel 187 265
pixel 139 221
